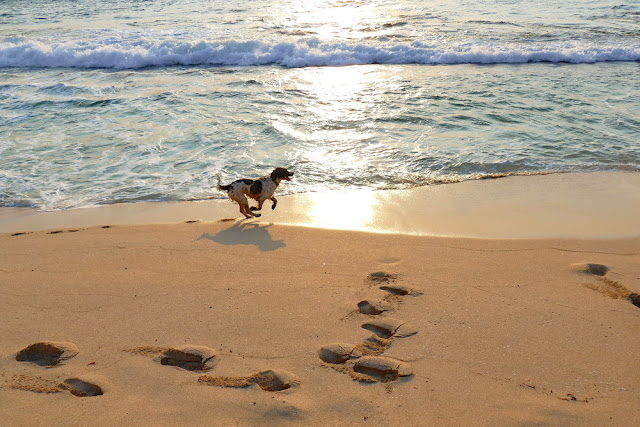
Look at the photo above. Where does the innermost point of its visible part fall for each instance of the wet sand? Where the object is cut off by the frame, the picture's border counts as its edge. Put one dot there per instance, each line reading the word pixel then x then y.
pixel 591 205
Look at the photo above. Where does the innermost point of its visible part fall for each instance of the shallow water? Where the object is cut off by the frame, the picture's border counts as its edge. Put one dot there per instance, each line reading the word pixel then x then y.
pixel 117 102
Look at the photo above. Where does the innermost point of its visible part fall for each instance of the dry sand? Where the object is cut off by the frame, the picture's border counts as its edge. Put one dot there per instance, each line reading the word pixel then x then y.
pixel 225 322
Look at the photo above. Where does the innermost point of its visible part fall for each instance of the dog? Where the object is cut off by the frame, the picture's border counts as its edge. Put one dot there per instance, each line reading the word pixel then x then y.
pixel 259 189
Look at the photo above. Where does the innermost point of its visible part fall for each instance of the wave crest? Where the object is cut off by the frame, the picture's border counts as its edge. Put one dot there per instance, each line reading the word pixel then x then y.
pixel 123 54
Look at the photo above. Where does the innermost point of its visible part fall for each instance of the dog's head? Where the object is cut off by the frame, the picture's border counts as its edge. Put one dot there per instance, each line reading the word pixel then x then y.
pixel 279 174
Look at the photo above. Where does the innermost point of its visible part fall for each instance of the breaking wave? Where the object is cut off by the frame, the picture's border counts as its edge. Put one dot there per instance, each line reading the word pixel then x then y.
pixel 125 54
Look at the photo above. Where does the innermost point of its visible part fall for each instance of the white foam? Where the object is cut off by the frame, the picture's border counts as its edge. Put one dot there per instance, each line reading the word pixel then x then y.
pixel 139 53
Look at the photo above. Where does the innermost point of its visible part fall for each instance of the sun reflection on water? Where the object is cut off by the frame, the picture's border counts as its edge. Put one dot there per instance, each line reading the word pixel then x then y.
pixel 343 93
pixel 333 113
pixel 327 18
pixel 337 97
pixel 334 123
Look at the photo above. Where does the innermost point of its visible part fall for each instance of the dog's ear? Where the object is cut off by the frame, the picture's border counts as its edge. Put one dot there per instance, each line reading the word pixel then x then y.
pixel 279 174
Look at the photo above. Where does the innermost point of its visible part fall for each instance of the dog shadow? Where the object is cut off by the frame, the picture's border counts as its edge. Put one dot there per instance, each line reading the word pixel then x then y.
pixel 246 233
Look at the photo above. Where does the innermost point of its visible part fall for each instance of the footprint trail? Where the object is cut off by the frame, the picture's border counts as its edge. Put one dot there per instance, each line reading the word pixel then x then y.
pixel 50 354
pixel 364 362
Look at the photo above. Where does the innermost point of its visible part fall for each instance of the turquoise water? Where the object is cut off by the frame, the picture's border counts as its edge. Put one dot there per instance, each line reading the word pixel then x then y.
pixel 110 102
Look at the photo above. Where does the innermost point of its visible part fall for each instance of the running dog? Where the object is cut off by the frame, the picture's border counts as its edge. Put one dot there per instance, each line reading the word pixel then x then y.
pixel 259 189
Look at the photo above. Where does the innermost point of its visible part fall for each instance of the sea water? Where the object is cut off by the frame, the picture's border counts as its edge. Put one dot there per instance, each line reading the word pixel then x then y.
pixel 123 101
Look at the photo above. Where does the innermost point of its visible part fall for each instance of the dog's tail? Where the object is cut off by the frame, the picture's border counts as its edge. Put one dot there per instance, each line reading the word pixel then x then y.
pixel 222 187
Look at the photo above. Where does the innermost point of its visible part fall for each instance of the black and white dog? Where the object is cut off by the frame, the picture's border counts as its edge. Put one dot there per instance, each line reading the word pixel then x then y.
pixel 259 189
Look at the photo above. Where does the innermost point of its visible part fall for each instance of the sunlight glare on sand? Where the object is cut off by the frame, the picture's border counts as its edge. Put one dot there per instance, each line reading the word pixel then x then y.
pixel 343 211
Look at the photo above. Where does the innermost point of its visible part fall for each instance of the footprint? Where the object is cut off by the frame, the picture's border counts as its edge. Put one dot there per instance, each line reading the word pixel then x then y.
pixel 604 285
pixel 271 380
pixel 635 299
pixel 389 327
pixel 590 268
pixel 275 380
pixel 401 290
pixel 75 386
pixel 338 353
pixel 191 358
pixel 34 384
pixel 373 369
pixel 374 345
pixel 373 307
pixel 226 382
pixel 381 277
pixel 382 369
pixel 81 388
pixel 47 353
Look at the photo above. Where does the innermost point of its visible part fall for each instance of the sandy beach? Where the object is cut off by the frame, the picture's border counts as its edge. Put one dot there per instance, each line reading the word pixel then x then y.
pixel 527 313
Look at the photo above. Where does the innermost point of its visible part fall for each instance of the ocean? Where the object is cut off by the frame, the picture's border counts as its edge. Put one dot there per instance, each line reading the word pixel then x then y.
pixel 105 102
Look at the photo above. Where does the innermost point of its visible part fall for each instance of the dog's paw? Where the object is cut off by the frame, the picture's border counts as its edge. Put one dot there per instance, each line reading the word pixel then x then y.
pixel 254 208
pixel 273 207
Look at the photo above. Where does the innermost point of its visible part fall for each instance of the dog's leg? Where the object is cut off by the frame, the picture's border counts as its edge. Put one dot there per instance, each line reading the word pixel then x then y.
pixel 257 208
pixel 275 202
pixel 247 211
pixel 244 204
pixel 243 210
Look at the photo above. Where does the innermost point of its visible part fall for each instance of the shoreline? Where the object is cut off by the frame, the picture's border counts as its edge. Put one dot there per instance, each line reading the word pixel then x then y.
pixel 593 205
